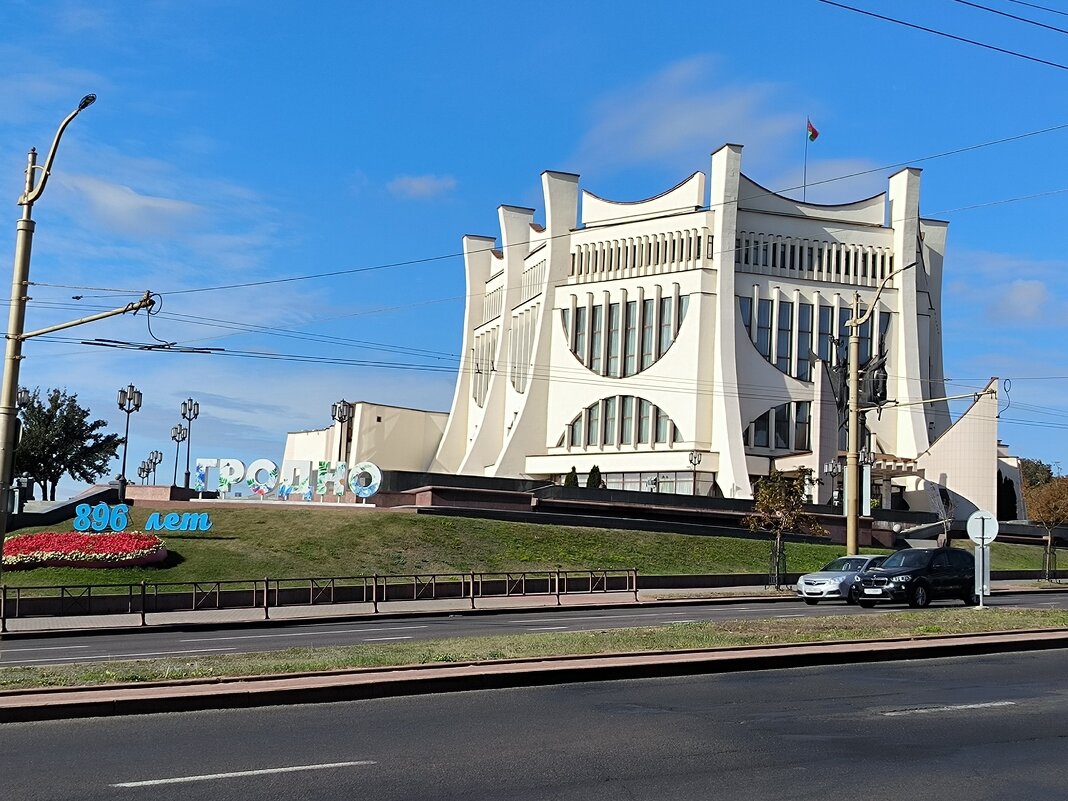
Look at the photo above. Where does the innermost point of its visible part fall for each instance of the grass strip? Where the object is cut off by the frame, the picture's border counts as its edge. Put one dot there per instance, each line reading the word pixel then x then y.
pixel 678 636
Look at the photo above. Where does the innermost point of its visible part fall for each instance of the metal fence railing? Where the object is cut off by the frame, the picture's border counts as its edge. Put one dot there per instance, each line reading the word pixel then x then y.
pixel 268 593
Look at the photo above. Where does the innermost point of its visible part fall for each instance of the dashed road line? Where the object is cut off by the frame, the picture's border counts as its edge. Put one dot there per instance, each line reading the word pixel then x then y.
pixel 206 777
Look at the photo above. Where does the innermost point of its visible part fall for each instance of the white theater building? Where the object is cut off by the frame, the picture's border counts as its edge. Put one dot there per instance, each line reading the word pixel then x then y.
pixel 639 336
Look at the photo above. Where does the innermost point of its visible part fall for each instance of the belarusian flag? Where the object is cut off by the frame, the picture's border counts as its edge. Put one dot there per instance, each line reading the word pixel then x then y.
pixel 813 134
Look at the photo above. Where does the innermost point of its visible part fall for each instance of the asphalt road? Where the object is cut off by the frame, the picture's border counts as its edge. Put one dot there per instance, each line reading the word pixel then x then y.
pixel 48 649
pixel 965 729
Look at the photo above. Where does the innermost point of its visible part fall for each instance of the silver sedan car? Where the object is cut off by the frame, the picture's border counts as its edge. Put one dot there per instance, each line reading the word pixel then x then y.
pixel 834 582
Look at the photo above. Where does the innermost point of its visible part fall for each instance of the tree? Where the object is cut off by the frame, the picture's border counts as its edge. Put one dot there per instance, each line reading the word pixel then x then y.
pixel 778 503
pixel 58 439
pixel 1034 473
pixel 593 480
pixel 1047 505
pixel 571 479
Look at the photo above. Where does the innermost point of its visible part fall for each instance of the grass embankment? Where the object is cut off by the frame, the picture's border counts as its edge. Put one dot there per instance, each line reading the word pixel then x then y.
pixel 679 636
pixel 256 542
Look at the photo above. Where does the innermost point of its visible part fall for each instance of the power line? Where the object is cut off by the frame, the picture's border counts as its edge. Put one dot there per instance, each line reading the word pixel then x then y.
pixel 624 218
pixel 1011 16
pixel 936 32
pixel 1040 8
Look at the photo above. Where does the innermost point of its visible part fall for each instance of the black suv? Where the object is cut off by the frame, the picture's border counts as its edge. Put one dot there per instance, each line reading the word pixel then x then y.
pixel 919 575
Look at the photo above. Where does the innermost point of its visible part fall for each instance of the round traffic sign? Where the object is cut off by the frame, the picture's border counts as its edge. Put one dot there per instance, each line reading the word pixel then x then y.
pixel 982 527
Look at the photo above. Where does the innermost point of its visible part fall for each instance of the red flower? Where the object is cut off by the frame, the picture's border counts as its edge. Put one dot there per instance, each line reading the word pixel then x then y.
pixel 79 546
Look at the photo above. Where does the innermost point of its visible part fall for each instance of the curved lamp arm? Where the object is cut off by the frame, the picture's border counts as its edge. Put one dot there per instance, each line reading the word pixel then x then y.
pixel 859 321
pixel 29 198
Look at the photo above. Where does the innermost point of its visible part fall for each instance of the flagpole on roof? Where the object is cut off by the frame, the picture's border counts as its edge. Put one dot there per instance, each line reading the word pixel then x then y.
pixel 804 178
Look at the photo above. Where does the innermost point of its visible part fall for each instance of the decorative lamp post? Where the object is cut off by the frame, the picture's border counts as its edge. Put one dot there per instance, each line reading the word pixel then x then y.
pixel 16 320
pixel 144 470
pixel 833 469
pixel 695 459
pixel 190 412
pixel 129 402
pixel 178 434
pixel 155 458
pixel 341 412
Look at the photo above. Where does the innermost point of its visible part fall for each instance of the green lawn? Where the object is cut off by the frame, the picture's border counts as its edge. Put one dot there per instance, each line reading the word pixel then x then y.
pixel 258 542
pixel 730 633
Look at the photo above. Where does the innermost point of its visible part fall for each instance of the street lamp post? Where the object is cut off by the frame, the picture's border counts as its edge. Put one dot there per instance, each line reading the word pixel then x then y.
pixel 155 458
pixel 178 434
pixel 144 470
pixel 129 399
pixel 190 412
pixel 852 478
pixel 16 319
pixel 695 459
pixel 341 412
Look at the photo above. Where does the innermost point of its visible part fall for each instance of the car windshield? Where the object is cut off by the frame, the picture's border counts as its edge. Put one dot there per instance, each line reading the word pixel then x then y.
pixel 845 565
pixel 907 559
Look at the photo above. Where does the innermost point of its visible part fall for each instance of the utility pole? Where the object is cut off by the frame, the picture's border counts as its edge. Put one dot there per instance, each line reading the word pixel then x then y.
pixel 16 320
pixel 852 478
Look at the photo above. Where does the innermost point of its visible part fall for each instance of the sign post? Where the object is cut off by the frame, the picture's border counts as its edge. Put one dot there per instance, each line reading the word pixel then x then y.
pixel 982 530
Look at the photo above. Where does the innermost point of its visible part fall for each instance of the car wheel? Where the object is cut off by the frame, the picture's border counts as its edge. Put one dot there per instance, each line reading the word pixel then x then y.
pixel 811 601
pixel 970 600
pixel 919 596
pixel 851 596
pixel 865 603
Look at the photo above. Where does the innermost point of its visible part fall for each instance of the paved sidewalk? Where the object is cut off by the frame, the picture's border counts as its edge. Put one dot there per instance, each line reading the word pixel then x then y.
pixel 322 612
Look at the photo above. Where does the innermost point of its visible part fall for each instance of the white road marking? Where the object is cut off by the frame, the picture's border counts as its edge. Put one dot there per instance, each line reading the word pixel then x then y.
pixel 778 616
pixel 240 773
pixel 302 633
pixel 80 658
pixel 380 639
pixel 932 709
pixel 591 617
pixel 546 628
pixel 43 648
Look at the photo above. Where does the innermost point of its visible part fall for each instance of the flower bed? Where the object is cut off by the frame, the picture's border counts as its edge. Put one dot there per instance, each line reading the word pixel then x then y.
pixel 82 549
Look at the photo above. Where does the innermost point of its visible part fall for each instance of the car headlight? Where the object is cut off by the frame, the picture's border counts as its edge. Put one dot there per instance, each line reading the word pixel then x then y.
pixel 901 579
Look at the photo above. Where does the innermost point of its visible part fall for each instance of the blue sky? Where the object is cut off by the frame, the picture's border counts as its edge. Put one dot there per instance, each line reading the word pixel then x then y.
pixel 236 142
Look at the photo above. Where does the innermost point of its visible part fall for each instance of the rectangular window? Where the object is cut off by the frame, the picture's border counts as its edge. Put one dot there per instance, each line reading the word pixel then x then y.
pixel 593 430
pixel 711 239
pixel 611 436
pixel 782 426
pixel 648 311
pixel 565 318
pixel 626 434
pixel 596 339
pixel 801 426
pixel 663 424
pixel 764 255
pixel 745 309
pixel 761 430
pixel 804 341
pixel 826 333
pixel 737 251
pixel 613 340
pixel 644 413
pixel 579 345
pixel 745 253
pixel 684 304
pixel 630 339
pixel 667 328
pixel 747 436
pixel 763 340
pixel 808 262
pixel 884 329
pixel 785 336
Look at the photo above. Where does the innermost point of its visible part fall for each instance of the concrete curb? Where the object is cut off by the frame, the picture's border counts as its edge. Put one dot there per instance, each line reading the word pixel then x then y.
pixel 351 685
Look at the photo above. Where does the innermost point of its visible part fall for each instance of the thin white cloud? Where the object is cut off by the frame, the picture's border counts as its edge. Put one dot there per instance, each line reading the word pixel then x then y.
pixel 1020 300
pixel 421 187
pixel 130 213
pixel 679 115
